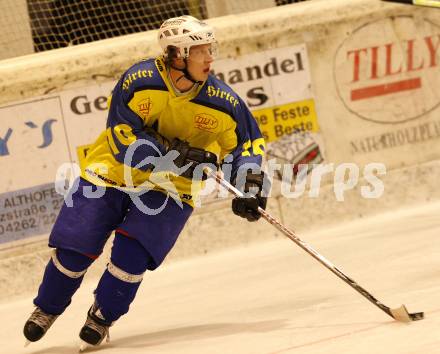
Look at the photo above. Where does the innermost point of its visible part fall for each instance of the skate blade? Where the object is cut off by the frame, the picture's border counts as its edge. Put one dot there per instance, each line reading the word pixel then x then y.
pixel 83 346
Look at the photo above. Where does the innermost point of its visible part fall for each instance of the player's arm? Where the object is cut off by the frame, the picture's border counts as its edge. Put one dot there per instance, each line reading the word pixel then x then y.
pixel 246 172
pixel 125 127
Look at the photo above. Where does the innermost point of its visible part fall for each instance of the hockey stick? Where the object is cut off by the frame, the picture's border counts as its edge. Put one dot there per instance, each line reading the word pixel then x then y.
pixel 399 314
pixel 431 3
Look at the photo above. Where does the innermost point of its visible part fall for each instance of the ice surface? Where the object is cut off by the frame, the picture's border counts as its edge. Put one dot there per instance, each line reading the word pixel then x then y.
pixel 273 298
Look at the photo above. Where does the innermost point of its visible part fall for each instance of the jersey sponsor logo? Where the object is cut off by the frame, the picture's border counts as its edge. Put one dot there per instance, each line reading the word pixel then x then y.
pixel 131 77
pixel 213 91
pixel 206 122
pixel 144 107
pixel 159 65
pixel 103 178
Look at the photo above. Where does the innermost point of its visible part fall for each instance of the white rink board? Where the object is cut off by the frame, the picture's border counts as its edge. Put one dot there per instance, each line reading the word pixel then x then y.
pixel 385 71
pixel 284 75
pixel 351 45
pixel 85 112
pixel 36 144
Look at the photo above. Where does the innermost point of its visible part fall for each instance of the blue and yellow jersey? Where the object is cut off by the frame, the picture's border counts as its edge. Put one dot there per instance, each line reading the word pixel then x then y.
pixel 213 118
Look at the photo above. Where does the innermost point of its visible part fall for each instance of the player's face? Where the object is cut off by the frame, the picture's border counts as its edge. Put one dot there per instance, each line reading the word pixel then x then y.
pixel 200 59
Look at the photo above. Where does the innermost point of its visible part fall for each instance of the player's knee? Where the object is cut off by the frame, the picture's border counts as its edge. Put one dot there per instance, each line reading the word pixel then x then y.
pixel 129 255
pixel 116 291
pixel 71 263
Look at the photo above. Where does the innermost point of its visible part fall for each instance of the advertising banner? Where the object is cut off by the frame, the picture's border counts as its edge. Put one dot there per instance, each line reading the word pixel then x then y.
pixel 276 85
pixel 387 75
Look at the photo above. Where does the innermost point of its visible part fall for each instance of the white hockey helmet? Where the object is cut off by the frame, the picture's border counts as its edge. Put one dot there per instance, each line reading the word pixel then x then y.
pixel 184 32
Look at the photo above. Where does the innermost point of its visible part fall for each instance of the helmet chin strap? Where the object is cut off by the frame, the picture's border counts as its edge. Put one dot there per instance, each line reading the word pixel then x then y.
pixel 186 73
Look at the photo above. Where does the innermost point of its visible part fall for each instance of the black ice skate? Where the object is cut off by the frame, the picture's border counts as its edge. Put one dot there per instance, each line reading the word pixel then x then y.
pixel 95 330
pixel 37 325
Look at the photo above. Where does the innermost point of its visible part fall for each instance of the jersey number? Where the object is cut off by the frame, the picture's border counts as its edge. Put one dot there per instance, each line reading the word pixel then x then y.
pixel 257 147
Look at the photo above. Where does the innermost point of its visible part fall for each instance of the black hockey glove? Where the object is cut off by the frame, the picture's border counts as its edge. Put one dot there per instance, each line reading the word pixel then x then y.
pixel 247 207
pixel 194 157
pixel 162 142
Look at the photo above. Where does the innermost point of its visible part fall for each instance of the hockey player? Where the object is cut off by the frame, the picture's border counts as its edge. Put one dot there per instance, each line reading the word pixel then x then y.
pixel 169 103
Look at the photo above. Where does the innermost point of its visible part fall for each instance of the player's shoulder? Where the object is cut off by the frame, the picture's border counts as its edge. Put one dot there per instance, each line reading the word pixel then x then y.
pixel 143 75
pixel 215 81
pixel 218 95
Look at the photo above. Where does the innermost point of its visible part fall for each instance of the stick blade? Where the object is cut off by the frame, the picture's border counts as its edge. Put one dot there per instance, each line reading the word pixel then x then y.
pixel 401 314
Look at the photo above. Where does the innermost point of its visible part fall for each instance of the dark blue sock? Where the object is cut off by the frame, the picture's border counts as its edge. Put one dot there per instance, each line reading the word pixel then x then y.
pixel 113 295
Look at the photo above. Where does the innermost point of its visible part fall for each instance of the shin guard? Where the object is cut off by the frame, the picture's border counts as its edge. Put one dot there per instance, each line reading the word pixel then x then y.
pixel 118 285
pixel 62 277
